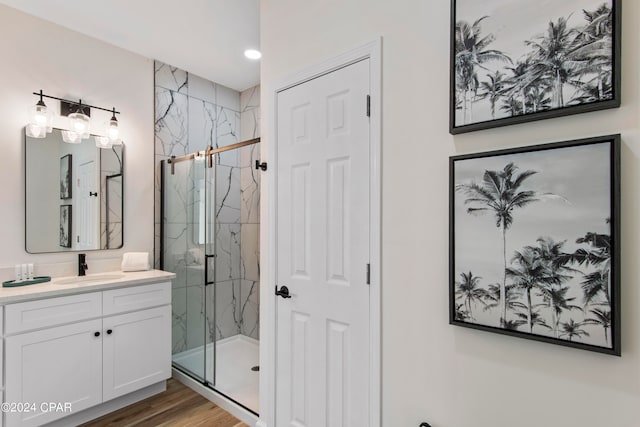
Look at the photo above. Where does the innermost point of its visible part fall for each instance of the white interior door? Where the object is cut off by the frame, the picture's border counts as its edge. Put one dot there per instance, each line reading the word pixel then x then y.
pixel 322 245
pixel 88 213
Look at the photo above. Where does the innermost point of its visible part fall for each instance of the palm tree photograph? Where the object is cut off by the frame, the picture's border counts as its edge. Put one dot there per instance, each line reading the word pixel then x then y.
pixel 517 61
pixel 534 233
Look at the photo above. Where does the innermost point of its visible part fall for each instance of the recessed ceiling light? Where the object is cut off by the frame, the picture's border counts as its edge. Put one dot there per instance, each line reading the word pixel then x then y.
pixel 252 54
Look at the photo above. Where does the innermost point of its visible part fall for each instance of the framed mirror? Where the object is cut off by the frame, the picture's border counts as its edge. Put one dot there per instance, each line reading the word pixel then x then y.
pixel 73 195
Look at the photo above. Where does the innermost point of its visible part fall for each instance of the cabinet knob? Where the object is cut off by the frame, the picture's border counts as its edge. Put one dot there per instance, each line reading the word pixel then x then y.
pixel 96 334
pixel 109 331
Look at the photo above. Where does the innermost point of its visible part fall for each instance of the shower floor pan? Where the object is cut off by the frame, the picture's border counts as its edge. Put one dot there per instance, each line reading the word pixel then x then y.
pixel 236 356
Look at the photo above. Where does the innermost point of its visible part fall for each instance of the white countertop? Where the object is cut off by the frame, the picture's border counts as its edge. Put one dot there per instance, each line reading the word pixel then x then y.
pixel 56 289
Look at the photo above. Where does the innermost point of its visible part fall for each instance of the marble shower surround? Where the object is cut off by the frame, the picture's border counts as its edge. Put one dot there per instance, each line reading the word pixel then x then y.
pixel 250 213
pixel 191 114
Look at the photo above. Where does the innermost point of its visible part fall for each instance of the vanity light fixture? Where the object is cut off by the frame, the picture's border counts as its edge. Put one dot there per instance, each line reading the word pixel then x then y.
pixel 40 119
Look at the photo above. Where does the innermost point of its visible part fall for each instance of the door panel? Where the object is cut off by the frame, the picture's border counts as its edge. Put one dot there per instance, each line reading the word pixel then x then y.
pixel 301 223
pixel 338 230
pixel 337 373
pixel 299 368
pixel 323 250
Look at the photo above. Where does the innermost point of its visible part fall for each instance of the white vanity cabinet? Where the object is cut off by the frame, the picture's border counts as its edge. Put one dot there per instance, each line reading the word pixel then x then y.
pixel 137 344
pixel 85 349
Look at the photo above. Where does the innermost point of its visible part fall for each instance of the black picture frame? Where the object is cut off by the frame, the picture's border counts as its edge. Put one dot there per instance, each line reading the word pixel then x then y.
pixel 65 226
pixel 524 90
pixel 541 225
pixel 66 177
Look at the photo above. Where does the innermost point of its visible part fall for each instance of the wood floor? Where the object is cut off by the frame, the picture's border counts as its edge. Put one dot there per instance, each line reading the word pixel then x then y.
pixel 178 406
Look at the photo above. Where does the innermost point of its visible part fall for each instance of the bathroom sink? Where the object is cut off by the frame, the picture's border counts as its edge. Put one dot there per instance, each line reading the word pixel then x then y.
pixel 89 278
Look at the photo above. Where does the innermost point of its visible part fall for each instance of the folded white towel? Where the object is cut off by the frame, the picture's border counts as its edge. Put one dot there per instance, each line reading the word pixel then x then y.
pixel 135 261
pixel 194 256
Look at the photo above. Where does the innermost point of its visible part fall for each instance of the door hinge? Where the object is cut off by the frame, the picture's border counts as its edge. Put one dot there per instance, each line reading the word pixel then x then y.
pixel 368 274
pixel 368 105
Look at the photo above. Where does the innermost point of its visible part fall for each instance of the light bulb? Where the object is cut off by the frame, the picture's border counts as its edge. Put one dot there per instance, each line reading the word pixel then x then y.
pixel 252 54
pixel 79 123
pixel 112 129
pixel 39 117
pixel 79 127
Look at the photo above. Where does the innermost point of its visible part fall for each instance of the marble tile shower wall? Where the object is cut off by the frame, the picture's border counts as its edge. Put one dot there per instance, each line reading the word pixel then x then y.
pixel 250 212
pixel 191 114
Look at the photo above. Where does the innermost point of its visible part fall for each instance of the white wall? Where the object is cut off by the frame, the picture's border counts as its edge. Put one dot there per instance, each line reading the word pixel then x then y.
pixel 39 55
pixel 451 376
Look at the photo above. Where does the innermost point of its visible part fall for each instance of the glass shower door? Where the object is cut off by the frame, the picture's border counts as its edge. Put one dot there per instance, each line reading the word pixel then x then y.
pixel 211 241
pixel 209 216
pixel 186 236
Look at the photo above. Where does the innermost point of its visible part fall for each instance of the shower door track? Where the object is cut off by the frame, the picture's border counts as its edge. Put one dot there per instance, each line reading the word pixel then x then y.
pixel 210 151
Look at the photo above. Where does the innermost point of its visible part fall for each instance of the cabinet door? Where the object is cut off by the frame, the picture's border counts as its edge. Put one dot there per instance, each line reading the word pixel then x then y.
pixel 56 365
pixel 137 350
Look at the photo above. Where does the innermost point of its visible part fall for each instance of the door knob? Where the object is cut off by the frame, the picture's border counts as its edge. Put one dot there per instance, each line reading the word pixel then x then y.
pixel 95 194
pixel 283 292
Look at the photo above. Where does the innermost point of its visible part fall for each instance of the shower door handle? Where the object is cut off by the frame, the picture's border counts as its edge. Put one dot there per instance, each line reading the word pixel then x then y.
pixel 283 292
pixel 207 282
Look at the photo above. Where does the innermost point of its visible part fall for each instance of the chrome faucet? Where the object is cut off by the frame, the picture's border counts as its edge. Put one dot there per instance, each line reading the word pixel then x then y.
pixel 82 264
